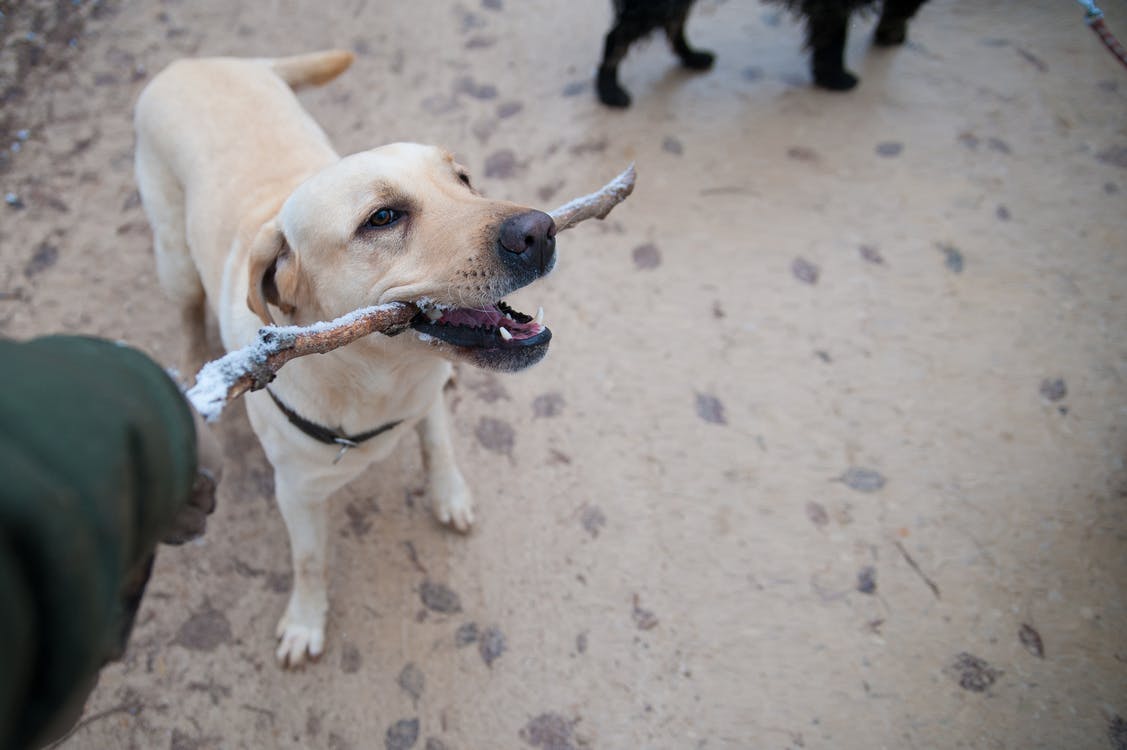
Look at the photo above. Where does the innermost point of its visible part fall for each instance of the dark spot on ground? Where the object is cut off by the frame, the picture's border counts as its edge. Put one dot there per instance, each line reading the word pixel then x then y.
pixel 973 673
pixel 1031 639
pixel 643 618
pixel 465 634
pixel 358 522
pixel 1117 732
pixel 501 164
pixel 466 85
pixel 718 310
pixel 802 153
pixel 823 355
pixel 1002 213
pixel 433 743
pixel 995 42
pixel 471 21
pixel 816 512
pixel 581 643
pixel 558 458
pixel 549 404
pixel 439 598
pixel 672 145
pixel 132 201
pixel 804 271
pixel 45 256
pixel 710 409
pixel 402 735
pixel 862 479
pixel 491 644
pixel 593 519
pixel 1110 188
pixel 597 146
pixel 871 255
pixel 889 149
pixel 488 388
pixel 484 129
pixel 549 731
pixel 1032 59
pixel 867 580
pixel 575 88
pixel 205 630
pixel 505 110
pixel 279 583
pixel 491 4
pixel 439 104
pixel 336 742
pixel 350 659
pixel 495 435
pixel 312 723
pixel 752 74
pixel 546 192
pixel 480 42
pixel 952 257
pixel 646 257
pixel 970 140
pixel 1114 155
pixel 1053 389
pixel 997 144
pixel 411 681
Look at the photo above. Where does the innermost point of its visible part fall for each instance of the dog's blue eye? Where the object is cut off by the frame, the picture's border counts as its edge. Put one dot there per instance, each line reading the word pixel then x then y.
pixel 383 217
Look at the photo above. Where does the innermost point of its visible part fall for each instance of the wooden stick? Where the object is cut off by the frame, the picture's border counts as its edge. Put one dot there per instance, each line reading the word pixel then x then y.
pixel 596 205
pixel 253 367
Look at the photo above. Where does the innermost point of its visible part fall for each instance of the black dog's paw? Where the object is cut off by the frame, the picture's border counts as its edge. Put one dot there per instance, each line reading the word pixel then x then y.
pixel 698 60
pixel 610 93
pixel 891 33
pixel 835 80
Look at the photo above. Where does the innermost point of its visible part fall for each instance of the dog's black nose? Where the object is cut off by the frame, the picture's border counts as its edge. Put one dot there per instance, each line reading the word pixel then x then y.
pixel 529 240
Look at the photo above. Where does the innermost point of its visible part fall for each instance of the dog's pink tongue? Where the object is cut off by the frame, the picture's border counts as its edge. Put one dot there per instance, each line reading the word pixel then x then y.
pixel 466 317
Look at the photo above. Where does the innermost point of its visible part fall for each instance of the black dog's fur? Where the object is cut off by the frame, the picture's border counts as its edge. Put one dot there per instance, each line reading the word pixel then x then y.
pixel 827 23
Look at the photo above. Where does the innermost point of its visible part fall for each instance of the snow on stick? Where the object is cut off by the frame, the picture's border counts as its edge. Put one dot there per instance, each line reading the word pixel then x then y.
pixel 253 367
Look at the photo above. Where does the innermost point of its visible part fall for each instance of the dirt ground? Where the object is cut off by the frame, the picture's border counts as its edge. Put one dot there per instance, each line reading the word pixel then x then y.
pixel 829 448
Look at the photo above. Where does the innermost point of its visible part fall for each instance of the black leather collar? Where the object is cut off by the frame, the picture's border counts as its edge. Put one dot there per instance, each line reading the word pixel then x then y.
pixel 327 434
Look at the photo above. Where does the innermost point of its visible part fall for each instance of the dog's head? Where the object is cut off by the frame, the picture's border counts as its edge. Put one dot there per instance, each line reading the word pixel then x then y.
pixel 402 223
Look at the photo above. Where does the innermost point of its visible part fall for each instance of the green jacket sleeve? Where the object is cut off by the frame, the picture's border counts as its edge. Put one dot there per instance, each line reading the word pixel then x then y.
pixel 97 455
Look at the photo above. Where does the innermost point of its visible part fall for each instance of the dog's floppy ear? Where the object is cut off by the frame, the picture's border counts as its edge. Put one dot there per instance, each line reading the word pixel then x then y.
pixel 275 273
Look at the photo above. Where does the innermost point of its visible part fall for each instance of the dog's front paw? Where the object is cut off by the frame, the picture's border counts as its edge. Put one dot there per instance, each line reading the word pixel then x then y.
pixel 698 60
pixel 835 80
pixel 451 501
pixel 891 32
pixel 298 641
pixel 610 93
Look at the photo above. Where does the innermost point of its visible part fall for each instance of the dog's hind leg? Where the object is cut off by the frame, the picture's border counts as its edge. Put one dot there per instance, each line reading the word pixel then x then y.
pixel 617 43
pixel 893 26
pixel 163 200
pixel 450 498
pixel 690 58
pixel 826 31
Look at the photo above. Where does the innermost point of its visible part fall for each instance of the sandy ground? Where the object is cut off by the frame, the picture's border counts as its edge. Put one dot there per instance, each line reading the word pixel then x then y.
pixel 829 448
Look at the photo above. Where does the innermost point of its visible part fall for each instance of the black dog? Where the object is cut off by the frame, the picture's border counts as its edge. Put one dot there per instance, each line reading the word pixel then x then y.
pixel 827 24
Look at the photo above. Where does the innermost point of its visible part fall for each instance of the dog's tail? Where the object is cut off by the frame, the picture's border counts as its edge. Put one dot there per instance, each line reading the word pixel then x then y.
pixel 312 69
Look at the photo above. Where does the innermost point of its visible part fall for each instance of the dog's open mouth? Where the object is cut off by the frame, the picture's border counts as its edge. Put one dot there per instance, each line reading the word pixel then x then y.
pixel 494 336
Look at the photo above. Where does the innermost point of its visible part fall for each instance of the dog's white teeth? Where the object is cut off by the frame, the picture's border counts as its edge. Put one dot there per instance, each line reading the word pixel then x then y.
pixel 540 316
pixel 434 314
pixel 505 333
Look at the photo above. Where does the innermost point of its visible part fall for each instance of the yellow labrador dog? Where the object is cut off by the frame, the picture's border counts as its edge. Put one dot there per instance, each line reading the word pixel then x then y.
pixel 256 215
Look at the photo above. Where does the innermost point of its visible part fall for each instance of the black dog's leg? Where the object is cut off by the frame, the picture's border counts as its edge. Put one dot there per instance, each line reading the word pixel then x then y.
pixel 690 58
pixel 893 27
pixel 618 42
pixel 826 34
